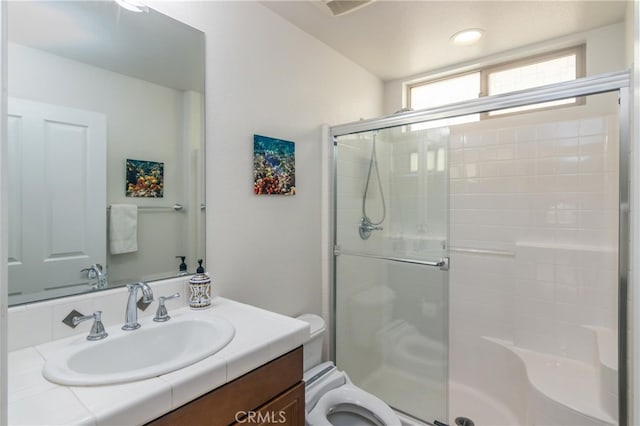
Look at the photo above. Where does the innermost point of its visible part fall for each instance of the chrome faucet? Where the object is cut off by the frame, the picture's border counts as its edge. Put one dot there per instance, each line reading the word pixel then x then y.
pixel 131 314
pixel 95 271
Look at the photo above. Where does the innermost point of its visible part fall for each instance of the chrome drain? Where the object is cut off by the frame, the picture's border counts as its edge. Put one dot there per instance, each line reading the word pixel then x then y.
pixel 463 421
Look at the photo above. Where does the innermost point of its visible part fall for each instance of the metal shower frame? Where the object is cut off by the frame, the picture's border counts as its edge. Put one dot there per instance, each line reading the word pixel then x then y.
pixel 603 83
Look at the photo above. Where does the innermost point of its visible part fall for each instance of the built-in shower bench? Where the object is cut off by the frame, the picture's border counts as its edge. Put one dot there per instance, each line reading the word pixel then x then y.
pixel 566 391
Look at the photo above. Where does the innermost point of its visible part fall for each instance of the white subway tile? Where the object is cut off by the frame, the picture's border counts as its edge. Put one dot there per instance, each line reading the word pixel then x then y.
pixel 458 186
pixel 592 145
pixel 547 148
pixel 505 152
pixel 456 141
pixel 527 149
pixel 546 183
pixel 592 201
pixel 566 165
pixel 566 293
pixel 544 218
pixel 567 218
pixel 456 156
pixel 592 163
pixel 571 313
pixel 506 136
pixel 546 166
pixel 536 235
pixel 591 126
pixel 527 133
pixel 568 183
pixel 544 272
pixel 593 219
pixel 568 129
pixel 546 131
pixel 481 138
pixel 568 236
pixel 567 147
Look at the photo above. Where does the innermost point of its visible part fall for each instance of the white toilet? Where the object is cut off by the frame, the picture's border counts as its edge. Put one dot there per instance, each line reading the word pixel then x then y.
pixel 404 347
pixel 330 397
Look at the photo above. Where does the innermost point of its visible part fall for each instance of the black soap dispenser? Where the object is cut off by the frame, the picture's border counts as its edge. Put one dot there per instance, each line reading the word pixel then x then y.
pixel 200 288
pixel 183 266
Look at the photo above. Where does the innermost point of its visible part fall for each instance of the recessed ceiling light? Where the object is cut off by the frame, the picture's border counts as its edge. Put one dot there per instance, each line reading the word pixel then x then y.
pixel 468 36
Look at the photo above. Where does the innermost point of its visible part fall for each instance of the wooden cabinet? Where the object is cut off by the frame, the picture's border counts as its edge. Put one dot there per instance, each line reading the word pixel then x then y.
pixel 272 394
pixel 287 409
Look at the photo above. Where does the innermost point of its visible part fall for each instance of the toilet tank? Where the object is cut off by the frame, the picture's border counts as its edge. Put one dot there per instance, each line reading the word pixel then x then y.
pixel 369 311
pixel 313 346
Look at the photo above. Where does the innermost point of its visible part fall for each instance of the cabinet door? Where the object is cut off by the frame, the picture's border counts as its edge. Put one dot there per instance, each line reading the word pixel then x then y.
pixel 276 386
pixel 285 410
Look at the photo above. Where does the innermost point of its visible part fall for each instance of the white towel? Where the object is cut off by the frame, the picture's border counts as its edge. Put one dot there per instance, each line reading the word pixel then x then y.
pixel 123 229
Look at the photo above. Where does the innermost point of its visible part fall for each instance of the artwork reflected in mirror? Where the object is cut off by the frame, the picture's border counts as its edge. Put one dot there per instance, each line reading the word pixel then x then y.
pixel 145 179
pixel 84 95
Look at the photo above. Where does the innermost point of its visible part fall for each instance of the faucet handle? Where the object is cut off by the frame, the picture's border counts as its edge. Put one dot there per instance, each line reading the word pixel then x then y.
pixel 162 314
pixel 97 329
pixel 93 271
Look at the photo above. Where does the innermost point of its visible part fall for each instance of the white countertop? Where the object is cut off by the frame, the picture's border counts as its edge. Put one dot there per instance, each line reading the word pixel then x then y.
pixel 260 336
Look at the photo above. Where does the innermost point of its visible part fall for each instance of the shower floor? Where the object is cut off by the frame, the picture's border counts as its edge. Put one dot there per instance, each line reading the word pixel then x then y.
pixel 425 400
pixel 465 401
pixel 404 392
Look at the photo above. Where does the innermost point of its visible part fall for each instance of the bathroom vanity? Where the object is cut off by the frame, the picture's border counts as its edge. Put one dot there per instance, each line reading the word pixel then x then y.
pixel 273 393
pixel 254 379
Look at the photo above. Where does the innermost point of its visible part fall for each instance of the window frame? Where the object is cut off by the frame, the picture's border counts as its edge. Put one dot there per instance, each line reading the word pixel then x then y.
pixel 484 72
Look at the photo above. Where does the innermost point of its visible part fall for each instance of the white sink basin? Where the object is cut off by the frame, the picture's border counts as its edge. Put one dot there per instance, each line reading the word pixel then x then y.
pixel 152 350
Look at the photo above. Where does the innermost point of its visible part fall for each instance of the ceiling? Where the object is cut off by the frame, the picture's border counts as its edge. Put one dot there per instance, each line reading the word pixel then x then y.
pixel 397 38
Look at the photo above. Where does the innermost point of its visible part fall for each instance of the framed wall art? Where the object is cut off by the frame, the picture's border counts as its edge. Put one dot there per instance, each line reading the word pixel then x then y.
pixel 274 166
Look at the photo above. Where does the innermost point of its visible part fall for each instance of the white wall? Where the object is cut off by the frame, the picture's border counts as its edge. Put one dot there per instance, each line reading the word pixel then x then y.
pixel 4 287
pixel 267 77
pixel 605 53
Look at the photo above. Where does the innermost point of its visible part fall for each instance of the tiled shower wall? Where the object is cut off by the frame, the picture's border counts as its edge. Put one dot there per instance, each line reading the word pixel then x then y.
pixel 542 194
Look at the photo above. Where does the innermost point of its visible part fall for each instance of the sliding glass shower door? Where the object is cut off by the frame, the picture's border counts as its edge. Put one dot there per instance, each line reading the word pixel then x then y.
pixel 391 266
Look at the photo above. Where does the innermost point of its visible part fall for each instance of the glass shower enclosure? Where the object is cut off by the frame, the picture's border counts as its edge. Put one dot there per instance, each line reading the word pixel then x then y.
pixel 392 265
pixel 393 290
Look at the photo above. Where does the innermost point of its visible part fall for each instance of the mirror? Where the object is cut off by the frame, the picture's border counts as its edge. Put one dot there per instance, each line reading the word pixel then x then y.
pixel 106 147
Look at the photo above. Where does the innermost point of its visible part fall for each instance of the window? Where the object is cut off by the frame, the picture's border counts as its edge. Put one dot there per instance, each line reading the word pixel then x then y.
pixel 445 91
pixel 555 67
pixel 442 92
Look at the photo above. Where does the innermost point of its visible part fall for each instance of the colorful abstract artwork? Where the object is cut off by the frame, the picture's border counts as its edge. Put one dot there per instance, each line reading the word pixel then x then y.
pixel 274 166
pixel 145 179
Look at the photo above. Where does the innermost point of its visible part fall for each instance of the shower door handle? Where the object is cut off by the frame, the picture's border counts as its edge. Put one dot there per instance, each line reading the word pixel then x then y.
pixel 442 263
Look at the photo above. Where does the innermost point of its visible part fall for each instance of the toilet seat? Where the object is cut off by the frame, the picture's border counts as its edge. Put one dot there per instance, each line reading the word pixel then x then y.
pixel 351 399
